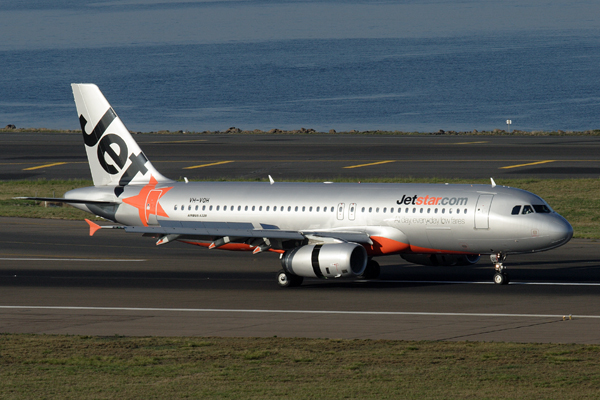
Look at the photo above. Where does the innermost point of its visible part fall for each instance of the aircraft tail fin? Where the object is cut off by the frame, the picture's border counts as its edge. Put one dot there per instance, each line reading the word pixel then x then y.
pixel 115 158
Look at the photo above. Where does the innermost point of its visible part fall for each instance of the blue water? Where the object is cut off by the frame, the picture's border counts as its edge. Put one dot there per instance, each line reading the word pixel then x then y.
pixel 433 77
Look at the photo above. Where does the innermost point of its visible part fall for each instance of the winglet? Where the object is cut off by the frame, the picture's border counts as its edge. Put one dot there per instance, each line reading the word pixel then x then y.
pixel 93 226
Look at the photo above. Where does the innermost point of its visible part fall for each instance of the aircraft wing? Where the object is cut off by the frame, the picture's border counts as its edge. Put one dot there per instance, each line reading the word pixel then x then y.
pixel 212 229
pixel 238 230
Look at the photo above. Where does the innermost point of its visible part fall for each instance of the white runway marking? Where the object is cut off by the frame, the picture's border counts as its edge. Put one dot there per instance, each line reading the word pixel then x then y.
pixel 487 282
pixel 322 312
pixel 71 259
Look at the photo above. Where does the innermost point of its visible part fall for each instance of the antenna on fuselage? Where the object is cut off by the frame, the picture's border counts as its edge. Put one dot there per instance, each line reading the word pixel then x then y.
pixel 271 180
pixel 493 183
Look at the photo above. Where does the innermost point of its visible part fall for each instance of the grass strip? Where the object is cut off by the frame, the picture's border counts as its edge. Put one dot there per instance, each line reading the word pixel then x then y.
pixel 85 367
pixel 578 200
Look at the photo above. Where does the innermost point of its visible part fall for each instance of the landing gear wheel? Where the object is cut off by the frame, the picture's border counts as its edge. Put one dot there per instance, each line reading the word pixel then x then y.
pixel 372 271
pixel 501 278
pixel 285 280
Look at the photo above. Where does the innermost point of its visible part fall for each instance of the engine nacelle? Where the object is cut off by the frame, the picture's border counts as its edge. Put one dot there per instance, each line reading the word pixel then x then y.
pixel 332 260
pixel 446 260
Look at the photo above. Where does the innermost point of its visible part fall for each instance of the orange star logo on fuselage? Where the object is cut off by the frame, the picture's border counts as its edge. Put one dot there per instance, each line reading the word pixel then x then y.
pixel 147 201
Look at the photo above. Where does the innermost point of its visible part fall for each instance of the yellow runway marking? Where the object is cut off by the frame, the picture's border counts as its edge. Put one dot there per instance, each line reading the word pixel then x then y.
pixel 526 165
pixel 43 166
pixel 209 165
pixel 469 143
pixel 366 165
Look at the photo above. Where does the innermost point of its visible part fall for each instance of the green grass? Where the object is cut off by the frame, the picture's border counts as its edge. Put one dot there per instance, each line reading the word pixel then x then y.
pixel 84 367
pixel 578 200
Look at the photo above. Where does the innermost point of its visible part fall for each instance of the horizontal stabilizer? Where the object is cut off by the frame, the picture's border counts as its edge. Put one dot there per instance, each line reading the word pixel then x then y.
pixel 94 227
pixel 63 200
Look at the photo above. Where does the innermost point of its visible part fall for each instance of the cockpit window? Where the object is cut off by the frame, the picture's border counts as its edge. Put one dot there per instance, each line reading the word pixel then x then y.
pixel 541 208
pixel 527 210
pixel 515 210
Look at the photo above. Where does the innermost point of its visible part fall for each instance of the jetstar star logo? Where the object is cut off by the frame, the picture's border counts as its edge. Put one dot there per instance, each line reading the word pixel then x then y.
pixel 146 201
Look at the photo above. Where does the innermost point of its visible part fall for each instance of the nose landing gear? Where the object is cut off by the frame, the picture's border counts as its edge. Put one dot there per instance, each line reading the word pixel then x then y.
pixel 501 276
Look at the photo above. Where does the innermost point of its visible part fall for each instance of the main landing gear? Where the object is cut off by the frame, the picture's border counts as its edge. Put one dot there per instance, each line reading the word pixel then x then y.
pixel 372 270
pixel 501 276
pixel 285 279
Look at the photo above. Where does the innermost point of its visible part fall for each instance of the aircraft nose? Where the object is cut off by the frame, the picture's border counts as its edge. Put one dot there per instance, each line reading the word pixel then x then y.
pixel 560 230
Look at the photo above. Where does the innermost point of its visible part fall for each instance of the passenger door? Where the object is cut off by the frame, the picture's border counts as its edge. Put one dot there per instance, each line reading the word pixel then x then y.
pixel 482 211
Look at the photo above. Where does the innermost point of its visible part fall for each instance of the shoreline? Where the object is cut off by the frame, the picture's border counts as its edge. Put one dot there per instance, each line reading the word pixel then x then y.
pixel 309 131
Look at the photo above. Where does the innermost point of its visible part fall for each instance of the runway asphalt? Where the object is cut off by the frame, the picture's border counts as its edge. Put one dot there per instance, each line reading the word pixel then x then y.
pixel 326 157
pixel 54 279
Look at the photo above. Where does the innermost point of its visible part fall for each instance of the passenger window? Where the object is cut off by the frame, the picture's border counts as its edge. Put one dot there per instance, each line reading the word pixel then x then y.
pixel 435 211
pixel 246 208
pixel 370 209
pixel 458 210
pixel 310 209
pixel 289 208
pixel 443 211
pixel 175 208
pixel 541 208
pixel 210 208
pixel 465 211
pixel 516 210
pixel 253 208
pixel 527 210
pixel 259 208
pixel 377 210
pixel 362 210
pixel 331 209
pixel 392 210
pixel 384 210
pixel 239 208
pixel 224 208
pixel 218 208
pixel 196 208
pixel 296 209
pixel 421 211
pixel 203 208
pixel 428 210
pixel 267 208
pixel 303 208
pixel 406 211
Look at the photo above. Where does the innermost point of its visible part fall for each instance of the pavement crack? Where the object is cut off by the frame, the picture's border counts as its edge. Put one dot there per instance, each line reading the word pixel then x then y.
pixel 500 330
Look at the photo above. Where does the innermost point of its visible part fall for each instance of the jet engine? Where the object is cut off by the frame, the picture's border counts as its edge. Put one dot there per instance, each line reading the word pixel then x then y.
pixel 331 260
pixel 446 260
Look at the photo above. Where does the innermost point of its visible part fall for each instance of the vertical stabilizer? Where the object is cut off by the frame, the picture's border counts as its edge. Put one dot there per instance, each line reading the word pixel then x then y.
pixel 115 158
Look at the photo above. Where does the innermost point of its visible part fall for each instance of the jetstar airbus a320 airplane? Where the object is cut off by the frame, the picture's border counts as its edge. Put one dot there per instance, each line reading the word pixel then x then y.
pixel 321 230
